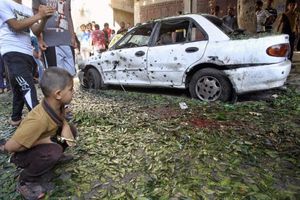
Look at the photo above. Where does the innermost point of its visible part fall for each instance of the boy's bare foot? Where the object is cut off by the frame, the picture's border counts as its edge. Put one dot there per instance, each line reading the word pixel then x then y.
pixel 1 90
pixel 15 123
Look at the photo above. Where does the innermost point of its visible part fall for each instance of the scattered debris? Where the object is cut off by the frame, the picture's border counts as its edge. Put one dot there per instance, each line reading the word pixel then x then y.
pixel 183 105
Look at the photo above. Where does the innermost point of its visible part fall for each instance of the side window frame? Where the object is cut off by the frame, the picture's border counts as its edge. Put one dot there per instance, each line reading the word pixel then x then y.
pixel 158 30
pixel 189 34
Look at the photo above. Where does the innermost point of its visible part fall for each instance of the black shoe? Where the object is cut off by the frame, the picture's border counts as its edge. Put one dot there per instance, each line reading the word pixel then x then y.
pixel 30 190
pixel 65 158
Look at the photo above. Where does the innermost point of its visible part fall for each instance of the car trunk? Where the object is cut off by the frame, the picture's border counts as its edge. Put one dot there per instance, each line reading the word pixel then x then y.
pixel 252 51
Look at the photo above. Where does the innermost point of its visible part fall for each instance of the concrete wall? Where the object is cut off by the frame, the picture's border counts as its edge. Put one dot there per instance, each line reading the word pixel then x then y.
pixel 125 5
pixel 120 15
pixel 145 10
pixel 115 11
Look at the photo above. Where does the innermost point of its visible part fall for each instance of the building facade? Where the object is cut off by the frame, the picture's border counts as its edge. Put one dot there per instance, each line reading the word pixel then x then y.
pixel 137 11
pixel 145 10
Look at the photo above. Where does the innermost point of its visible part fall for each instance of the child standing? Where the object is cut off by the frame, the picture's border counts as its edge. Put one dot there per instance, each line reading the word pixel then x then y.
pixel 15 22
pixel 34 143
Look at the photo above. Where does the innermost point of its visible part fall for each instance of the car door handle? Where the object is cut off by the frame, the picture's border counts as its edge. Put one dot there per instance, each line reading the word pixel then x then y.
pixel 139 53
pixel 191 49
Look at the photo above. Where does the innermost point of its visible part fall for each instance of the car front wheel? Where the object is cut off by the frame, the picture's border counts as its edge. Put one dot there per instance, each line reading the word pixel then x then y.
pixel 93 79
pixel 210 85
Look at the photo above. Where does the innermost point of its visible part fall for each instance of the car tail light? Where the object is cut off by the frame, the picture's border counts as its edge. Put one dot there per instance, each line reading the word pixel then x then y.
pixel 278 50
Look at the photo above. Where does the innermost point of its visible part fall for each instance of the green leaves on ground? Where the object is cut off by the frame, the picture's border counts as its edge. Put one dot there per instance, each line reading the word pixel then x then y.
pixel 143 146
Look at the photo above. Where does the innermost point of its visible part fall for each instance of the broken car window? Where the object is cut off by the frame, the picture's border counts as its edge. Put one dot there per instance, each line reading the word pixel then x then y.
pixel 219 23
pixel 196 34
pixel 172 31
pixel 136 38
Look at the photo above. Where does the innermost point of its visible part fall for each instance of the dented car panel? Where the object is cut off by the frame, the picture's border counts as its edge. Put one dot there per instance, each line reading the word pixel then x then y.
pixel 261 77
pixel 191 52
pixel 124 67
pixel 167 64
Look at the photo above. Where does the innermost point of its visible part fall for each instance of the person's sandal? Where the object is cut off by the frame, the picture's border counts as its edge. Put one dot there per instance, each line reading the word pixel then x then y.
pixel 30 191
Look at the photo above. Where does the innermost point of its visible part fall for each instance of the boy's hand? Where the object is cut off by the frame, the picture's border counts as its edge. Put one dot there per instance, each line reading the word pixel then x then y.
pixel 67 133
pixel 46 11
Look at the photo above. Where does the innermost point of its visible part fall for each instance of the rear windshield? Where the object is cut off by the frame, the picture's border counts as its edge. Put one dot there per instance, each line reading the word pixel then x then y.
pixel 219 23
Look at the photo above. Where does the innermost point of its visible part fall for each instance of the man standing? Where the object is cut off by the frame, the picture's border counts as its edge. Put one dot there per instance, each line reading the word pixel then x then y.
pixel 122 28
pixel 58 39
pixel 16 21
pixel 261 17
pixel 230 19
pixel 107 34
pixel 98 40
pixel 273 15
pixel 289 24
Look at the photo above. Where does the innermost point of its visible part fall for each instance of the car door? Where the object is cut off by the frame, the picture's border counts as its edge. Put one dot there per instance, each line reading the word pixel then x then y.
pixel 178 44
pixel 125 63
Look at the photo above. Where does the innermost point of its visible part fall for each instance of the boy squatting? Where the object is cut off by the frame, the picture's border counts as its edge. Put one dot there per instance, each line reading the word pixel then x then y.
pixel 34 146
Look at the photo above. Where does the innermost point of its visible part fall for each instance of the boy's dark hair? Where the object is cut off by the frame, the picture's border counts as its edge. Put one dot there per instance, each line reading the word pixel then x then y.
pixel 97 27
pixel 259 3
pixel 290 1
pixel 54 78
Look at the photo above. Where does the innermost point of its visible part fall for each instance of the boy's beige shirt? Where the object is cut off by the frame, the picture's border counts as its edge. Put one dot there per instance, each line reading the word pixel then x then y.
pixel 35 126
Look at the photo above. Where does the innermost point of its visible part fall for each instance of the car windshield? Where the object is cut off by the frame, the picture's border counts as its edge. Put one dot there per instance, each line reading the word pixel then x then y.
pixel 219 23
pixel 138 37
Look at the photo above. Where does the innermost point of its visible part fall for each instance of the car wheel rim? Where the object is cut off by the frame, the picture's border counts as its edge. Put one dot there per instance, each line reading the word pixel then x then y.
pixel 208 88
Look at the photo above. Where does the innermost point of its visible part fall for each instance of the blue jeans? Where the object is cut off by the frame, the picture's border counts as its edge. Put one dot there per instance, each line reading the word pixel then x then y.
pixel 40 67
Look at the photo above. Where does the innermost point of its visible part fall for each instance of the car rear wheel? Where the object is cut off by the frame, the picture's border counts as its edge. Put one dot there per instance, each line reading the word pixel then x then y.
pixel 210 85
pixel 93 79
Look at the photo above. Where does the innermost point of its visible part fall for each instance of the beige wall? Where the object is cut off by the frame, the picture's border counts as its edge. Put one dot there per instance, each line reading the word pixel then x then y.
pixel 120 16
pixel 125 5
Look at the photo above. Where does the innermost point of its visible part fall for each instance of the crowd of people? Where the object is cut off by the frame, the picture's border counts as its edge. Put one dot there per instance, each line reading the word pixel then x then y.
pixel 94 40
pixel 266 16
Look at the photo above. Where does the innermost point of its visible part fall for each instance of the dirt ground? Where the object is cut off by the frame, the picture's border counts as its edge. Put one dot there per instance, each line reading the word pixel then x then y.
pixel 141 145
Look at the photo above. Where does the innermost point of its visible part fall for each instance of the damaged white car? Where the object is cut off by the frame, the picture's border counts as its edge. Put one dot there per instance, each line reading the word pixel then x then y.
pixel 194 52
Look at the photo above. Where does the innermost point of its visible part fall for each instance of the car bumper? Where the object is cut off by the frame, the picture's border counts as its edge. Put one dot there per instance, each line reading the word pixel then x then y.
pixel 255 78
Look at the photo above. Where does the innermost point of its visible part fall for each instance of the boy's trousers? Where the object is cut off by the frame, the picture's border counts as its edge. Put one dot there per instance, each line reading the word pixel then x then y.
pixel 21 68
pixel 37 161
